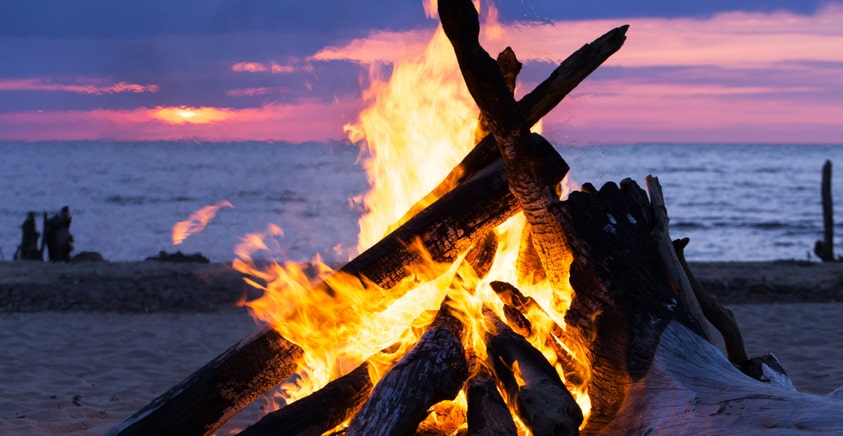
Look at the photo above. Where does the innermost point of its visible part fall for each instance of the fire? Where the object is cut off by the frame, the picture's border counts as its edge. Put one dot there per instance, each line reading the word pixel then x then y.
pixel 197 221
pixel 419 124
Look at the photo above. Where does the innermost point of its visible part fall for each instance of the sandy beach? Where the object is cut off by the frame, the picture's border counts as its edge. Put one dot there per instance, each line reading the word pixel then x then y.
pixel 87 345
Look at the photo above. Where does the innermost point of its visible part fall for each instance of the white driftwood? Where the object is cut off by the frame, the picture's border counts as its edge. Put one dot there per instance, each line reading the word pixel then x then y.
pixel 692 389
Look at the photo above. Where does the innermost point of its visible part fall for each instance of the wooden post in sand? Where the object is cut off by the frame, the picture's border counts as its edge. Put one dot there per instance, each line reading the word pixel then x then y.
pixel 825 249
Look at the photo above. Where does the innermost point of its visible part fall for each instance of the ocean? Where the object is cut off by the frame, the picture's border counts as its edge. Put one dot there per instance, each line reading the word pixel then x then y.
pixel 736 202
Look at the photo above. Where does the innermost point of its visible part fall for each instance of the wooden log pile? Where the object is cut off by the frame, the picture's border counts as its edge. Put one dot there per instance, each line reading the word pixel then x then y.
pixel 649 365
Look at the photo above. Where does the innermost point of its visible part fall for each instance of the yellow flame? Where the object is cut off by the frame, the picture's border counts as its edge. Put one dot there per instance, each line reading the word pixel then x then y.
pixel 197 221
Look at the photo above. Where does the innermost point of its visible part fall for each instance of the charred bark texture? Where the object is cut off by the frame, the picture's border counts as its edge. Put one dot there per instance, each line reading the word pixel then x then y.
pixel 433 371
pixel 319 412
pixel 446 229
pixel 488 414
pixel 518 304
pixel 531 383
pixel 206 399
pixel 535 105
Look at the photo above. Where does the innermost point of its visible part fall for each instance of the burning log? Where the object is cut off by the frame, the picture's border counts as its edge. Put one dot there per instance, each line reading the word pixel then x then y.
pixel 321 411
pixel 210 396
pixel 517 304
pixel 532 384
pixel 487 411
pixel 535 105
pixel 433 371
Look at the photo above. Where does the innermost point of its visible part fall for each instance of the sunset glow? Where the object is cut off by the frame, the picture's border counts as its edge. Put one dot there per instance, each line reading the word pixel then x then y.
pixel 757 74
pixel 192 115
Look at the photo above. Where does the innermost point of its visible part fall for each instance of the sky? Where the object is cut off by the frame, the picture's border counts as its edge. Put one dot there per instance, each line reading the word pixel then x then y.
pixel 267 70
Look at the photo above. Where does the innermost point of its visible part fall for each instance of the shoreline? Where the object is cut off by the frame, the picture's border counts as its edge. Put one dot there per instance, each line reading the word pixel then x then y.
pixel 154 286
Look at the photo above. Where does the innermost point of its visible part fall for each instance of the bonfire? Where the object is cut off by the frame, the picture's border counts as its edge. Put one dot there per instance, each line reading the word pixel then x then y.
pixel 500 303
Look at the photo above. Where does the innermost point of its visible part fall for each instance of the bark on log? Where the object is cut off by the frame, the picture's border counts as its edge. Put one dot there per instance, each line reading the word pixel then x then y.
pixel 204 401
pixel 510 130
pixel 675 273
pixel 531 383
pixel 651 372
pixel 825 249
pixel 487 411
pixel 722 318
pixel 535 105
pixel 318 412
pixel 575 371
pixel 211 395
pixel 433 371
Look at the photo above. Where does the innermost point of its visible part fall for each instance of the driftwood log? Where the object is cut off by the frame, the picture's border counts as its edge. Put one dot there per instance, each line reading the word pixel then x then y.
pixel 488 414
pixel 433 371
pixel 825 249
pixel 531 383
pixel 652 370
pixel 319 412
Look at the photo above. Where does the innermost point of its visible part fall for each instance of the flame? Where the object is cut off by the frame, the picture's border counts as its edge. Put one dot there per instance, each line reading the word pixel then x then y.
pixel 197 221
pixel 419 123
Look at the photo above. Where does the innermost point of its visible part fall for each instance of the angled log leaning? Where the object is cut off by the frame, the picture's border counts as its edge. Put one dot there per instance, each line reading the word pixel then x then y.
pixel 487 411
pixel 320 411
pixel 535 105
pixel 532 385
pixel 433 371
pixel 516 305
pixel 722 318
pixel 207 398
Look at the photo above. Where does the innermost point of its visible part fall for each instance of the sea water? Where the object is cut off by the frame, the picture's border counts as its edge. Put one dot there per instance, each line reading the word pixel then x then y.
pixel 735 201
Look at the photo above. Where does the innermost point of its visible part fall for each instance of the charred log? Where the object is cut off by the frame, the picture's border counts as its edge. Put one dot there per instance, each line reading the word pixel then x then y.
pixel 487 411
pixel 531 383
pixel 518 304
pixel 205 400
pixel 433 371
pixel 319 412
pixel 445 229
pixel 535 105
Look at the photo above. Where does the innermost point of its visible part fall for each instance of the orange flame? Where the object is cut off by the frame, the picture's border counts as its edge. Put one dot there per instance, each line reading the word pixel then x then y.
pixel 197 221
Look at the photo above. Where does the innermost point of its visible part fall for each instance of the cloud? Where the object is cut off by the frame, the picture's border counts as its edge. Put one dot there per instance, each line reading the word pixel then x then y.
pixel 31 84
pixel 272 67
pixel 248 92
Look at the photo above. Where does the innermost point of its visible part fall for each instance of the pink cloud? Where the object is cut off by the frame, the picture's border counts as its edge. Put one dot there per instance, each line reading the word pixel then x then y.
pixel 31 84
pixel 300 122
pixel 248 92
pixel 272 67
pixel 730 39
